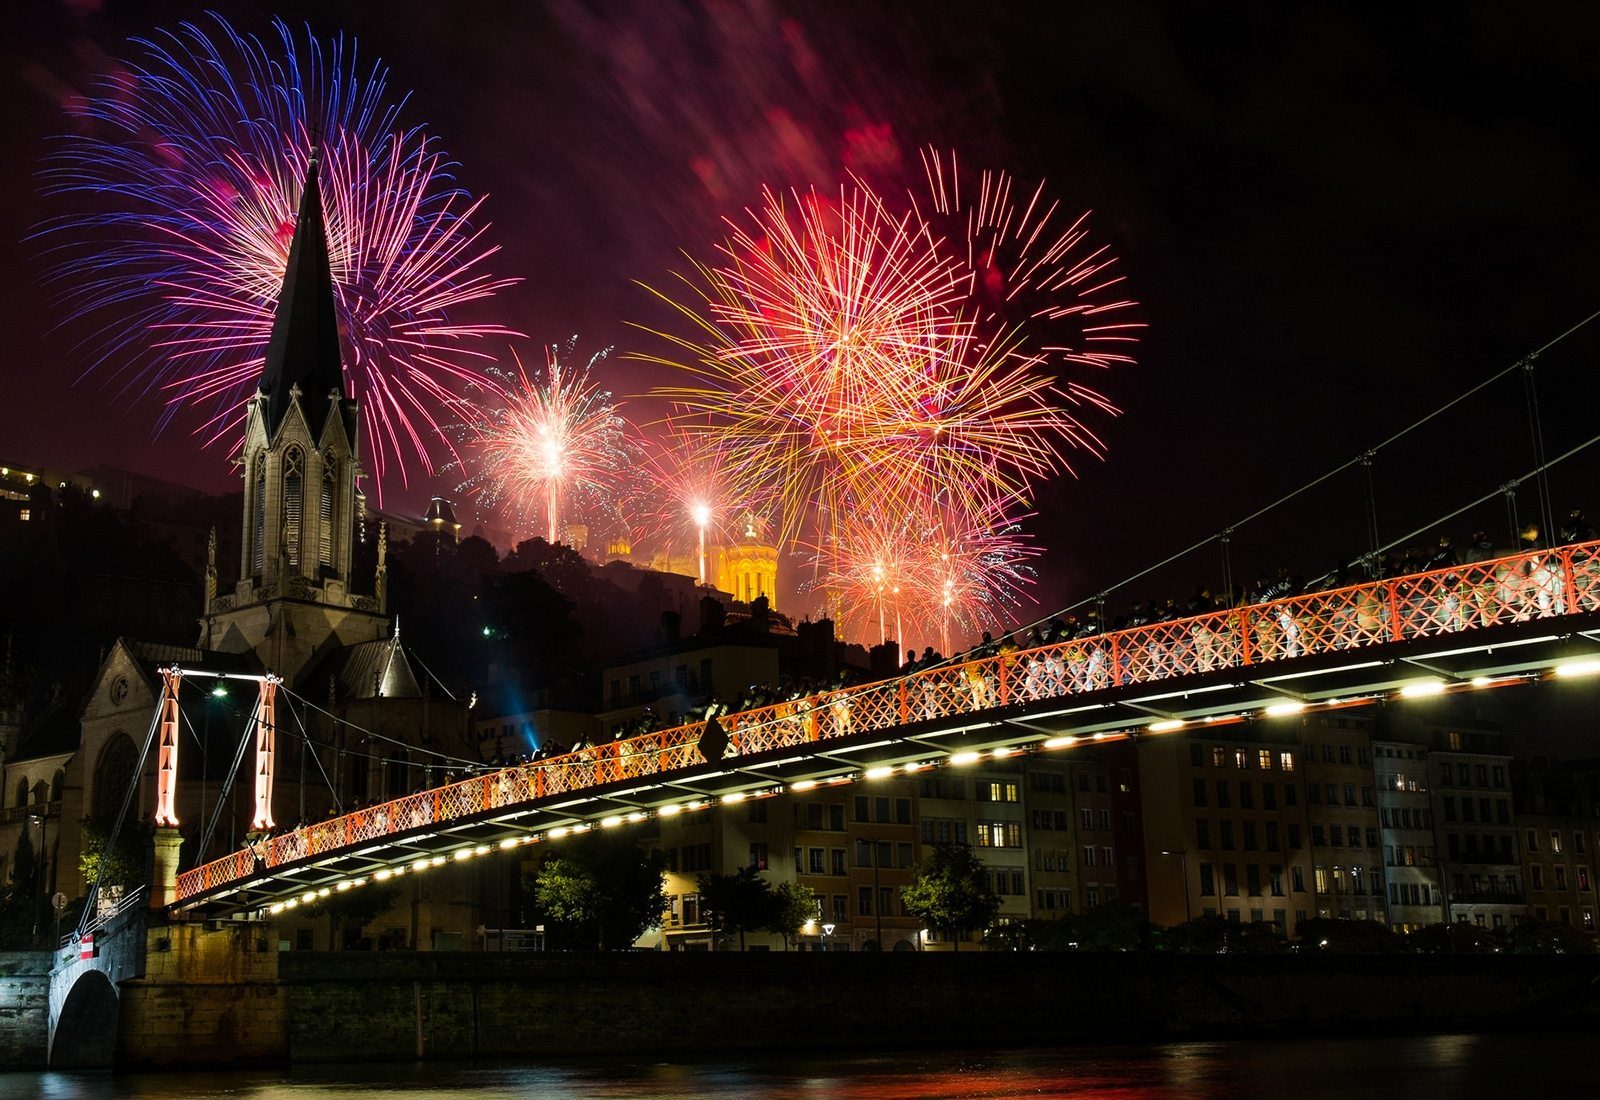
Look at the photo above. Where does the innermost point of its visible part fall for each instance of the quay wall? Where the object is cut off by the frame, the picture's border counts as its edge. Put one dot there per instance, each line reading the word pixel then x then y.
pixel 24 1008
pixel 225 996
pixel 439 1005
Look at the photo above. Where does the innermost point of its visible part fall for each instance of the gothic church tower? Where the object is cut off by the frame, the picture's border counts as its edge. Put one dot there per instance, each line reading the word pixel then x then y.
pixel 300 462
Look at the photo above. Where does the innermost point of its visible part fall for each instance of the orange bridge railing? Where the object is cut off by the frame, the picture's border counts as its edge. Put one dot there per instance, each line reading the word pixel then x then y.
pixel 1514 589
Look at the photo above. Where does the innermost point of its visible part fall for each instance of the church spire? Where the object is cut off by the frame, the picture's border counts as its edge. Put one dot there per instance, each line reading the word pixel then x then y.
pixel 303 350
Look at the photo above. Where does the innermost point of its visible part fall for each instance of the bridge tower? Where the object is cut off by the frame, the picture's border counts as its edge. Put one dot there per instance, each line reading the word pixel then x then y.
pixel 300 464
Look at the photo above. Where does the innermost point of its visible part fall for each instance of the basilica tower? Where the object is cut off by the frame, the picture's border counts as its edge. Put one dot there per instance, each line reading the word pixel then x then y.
pixel 300 462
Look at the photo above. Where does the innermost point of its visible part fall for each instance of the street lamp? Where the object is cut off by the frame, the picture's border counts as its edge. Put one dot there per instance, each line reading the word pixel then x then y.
pixel 827 937
pixel 41 819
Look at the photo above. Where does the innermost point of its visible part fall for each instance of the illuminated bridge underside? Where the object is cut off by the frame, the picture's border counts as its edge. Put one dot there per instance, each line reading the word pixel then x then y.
pixel 1487 624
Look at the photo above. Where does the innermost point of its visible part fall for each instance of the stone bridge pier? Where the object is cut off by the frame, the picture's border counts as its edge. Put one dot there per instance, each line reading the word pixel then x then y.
pixel 85 995
pixel 152 991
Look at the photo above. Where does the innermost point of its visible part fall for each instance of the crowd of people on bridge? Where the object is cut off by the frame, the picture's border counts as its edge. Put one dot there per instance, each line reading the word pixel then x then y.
pixel 1284 629
pixel 1277 617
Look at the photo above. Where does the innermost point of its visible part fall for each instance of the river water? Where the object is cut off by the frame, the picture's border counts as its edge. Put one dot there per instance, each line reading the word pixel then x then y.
pixel 1412 1066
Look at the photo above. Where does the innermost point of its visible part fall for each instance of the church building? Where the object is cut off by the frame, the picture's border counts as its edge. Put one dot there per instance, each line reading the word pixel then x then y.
pixel 357 718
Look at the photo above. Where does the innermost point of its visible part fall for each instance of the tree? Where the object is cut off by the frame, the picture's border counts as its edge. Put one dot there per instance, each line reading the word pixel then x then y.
pixel 1542 937
pixel 358 907
pixel 1220 936
pixel 1117 925
pixel 1347 937
pixel 599 890
pixel 741 902
pixel 124 866
pixel 1461 938
pixel 950 892
pixel 792 906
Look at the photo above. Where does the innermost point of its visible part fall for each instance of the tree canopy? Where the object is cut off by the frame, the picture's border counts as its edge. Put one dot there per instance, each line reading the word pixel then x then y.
pixel 792 906
pixel 950 892
pixel 738 903
pixel 597 891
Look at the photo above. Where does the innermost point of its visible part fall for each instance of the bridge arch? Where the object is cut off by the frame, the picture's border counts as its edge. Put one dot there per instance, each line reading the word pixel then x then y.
pixel 85 1031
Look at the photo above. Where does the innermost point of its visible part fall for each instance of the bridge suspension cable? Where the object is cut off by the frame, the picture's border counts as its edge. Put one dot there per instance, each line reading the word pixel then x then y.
pixel 1225 535
pixel 91 901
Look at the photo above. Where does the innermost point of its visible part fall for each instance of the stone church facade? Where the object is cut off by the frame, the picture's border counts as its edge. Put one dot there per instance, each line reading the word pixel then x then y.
pixel 355 721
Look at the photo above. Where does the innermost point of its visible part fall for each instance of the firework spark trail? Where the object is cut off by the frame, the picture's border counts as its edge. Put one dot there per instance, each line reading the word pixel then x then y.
pixel 686 496
pixel 1037 284
pixel 895 384
pixel 187 175
pixel 551 444
pixel 821 313
pixel 928 571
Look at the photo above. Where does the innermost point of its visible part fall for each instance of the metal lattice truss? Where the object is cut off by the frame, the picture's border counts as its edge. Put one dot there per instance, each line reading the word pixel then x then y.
pixel 1490 622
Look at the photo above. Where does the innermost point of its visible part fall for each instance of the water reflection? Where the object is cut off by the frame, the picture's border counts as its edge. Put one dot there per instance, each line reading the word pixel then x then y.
pixel 1451 1065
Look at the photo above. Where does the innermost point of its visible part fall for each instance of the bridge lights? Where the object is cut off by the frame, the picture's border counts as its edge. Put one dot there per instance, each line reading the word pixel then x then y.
pixel 1421 689
pixel 1166 725
pixel 1588 667
pixel 802 785
pixel 962 758
pixel 1060 742
pixel 610 822
pixel 736 796
pixel 881 772
pixel 1280 710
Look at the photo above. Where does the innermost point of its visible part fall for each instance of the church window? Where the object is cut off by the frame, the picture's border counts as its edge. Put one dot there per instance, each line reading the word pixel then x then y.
pixel 112 776
pixel 325 514
pixel 293 495
pixel 259 537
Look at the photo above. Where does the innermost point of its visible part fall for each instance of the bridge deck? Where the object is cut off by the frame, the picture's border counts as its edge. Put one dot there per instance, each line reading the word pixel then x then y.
pixel 1491 622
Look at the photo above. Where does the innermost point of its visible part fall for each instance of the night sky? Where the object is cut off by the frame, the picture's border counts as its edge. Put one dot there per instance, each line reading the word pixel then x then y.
pixel 1333 221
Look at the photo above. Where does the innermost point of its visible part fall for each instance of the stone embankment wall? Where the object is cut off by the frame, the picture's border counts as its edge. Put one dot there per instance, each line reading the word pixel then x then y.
pixel 439 1005
pixel 224 996
pixel 24 1008
pixel 208 997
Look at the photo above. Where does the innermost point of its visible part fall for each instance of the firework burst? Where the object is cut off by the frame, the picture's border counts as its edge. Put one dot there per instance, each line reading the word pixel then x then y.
pixel 686 497
pixel 894 383
pixel 822 315
pixel 1038 285
pixel 185 173
pixel 551 447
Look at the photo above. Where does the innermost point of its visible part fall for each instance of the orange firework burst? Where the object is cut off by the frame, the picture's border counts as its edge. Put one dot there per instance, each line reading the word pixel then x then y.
pixel 927 571
pixel 882 378
pixel 822 316
pixel 554 436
